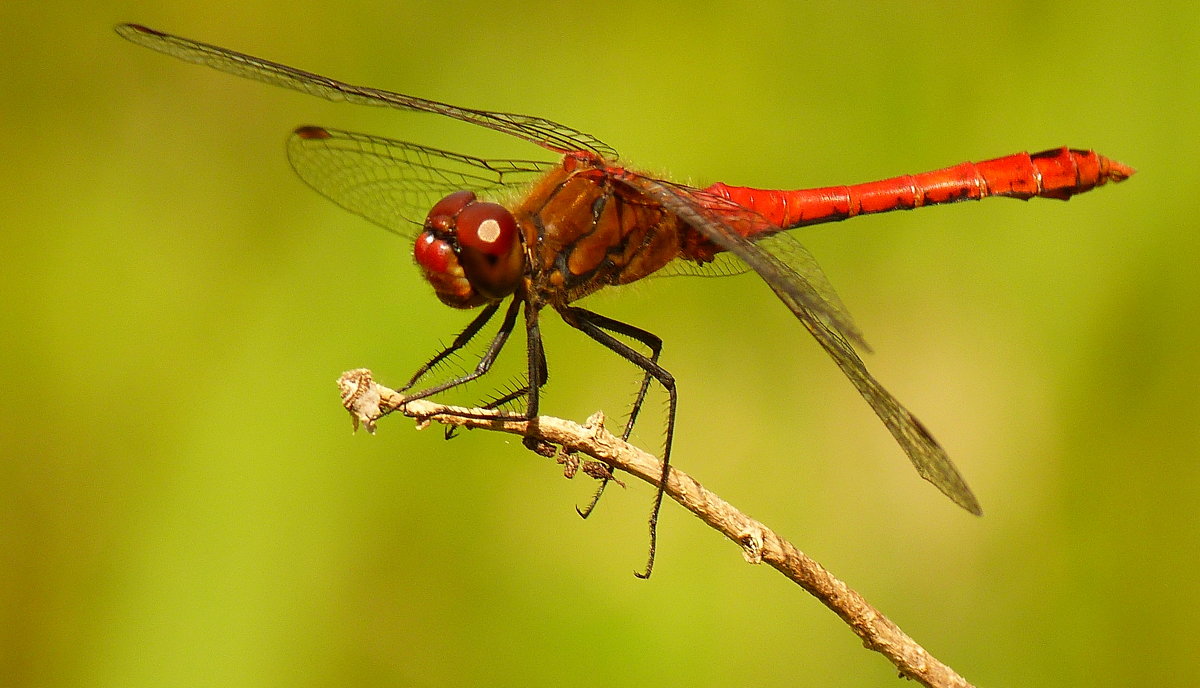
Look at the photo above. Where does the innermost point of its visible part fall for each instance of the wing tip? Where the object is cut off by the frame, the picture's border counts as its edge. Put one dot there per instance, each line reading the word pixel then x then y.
pixel 954 487
pixel 971 505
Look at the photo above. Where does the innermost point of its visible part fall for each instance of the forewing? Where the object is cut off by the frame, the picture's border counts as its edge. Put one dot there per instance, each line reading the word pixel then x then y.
pixel 552 135
pixel 395 183
pixel 819 314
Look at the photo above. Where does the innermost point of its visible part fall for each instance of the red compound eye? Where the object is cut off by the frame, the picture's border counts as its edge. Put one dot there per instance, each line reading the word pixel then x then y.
pixel 486 227
pixel 439 264
pixel 470 251
pixel 489 248
pixel 434 254
pixel 441 215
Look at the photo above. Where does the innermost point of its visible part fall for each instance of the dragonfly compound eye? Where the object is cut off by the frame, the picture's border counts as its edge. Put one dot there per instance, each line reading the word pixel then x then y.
pixel 489 249
pixel 470 251
pixel 439 263
pixel 442 214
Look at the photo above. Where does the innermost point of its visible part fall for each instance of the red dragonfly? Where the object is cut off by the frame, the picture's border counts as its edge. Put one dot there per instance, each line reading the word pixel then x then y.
pixel 587 222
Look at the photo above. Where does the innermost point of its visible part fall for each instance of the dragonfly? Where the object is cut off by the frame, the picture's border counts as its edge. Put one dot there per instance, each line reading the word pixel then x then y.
pixel 586 222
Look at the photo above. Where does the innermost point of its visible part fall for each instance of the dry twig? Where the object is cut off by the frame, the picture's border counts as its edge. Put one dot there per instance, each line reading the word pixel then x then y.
pixel 367 402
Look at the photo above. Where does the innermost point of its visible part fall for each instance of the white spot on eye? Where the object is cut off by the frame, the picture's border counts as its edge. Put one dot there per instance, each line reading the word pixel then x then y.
pixel 488 231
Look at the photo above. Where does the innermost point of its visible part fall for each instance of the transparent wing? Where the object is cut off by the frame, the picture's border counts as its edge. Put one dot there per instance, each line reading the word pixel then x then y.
pixel 394 183
pixel 722 265
pixel 798 283
pixel 927 456
pixel 781 260
pixel 793 255
pixel 545 133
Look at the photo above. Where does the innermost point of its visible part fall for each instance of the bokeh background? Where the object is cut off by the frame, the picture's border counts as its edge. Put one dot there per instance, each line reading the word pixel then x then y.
pixel 182 502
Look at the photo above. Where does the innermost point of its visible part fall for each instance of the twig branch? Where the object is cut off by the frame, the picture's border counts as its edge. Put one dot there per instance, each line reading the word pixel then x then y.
pixel 367 402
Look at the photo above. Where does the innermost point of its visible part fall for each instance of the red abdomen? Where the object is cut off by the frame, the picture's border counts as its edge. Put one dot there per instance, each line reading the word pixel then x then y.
pixel 1057 173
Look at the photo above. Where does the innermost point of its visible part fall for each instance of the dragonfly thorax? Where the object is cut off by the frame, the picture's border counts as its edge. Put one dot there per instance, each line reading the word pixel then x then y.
pixel 470 251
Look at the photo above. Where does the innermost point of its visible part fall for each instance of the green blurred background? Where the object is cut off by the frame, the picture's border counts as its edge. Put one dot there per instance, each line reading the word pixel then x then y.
pixel 183 504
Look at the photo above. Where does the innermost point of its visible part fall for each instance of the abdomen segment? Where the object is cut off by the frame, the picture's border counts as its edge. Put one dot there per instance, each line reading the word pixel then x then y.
pixel 1057 173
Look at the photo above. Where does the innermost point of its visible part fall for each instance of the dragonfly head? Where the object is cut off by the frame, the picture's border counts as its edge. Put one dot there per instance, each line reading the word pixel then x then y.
pixel 470 251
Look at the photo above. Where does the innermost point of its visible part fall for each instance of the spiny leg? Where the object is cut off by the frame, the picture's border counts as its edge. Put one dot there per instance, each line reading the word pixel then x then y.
pixel 459 342
pixel 537 376
pixel 507 397
pixel 518 392
pixel 583 320
pixel 652 342
pixel 488 357
pixel 537 371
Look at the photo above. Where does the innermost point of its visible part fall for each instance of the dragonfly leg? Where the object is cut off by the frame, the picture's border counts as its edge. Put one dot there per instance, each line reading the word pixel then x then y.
pixel 538 372
pixel 485 361
pixel 507 397
pixel 537 376
pixel 459 342
pixel 652 342
pixel 595 326
pixel 519 392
